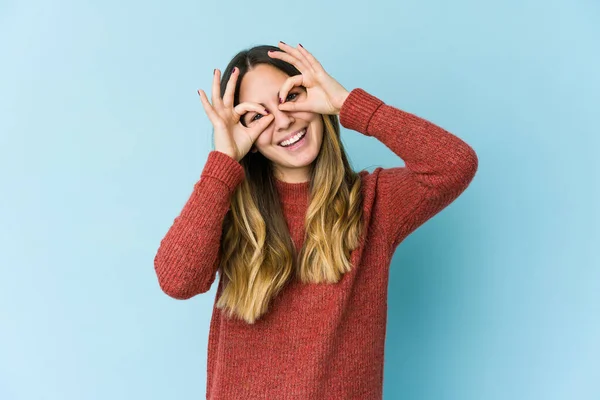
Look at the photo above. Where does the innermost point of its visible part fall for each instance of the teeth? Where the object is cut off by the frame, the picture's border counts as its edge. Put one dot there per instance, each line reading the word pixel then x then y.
pixel 293 139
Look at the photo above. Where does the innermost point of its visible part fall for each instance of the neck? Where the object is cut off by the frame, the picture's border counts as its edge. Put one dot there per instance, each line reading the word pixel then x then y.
pixel 295 175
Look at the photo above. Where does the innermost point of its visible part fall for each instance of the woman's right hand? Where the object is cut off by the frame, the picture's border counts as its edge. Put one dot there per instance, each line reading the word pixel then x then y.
pixel 231 137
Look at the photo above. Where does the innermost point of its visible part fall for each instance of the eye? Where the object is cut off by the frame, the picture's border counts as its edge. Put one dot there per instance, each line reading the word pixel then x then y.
pixel 247 120
pixel 292 94
pixel 258 116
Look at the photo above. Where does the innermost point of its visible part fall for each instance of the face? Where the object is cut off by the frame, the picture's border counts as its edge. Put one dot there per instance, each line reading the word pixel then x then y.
pixel 292 163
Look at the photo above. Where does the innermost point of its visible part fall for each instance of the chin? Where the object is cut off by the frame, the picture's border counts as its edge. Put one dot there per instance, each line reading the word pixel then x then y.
pixel 301 159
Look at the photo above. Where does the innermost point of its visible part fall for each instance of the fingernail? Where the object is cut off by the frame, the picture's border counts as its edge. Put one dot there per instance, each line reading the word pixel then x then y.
pixel 301 45
pixel 267 111
pixel 214 71
pixel 233 70
pixel 281 41
pixel 280 100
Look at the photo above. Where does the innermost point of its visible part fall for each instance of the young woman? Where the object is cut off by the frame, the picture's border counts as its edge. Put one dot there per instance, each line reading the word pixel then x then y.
pixel 302 243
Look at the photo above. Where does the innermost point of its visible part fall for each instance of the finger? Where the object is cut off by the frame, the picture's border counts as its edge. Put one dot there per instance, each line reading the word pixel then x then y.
pixel 289 83
pixel 311 60
pixel 244 107
pixel 289 58
pixel 256 129
pixel 290 50
pixel 230 89
pixel 303 58
pixel 296 106
pixel 217 102
pixel 210 112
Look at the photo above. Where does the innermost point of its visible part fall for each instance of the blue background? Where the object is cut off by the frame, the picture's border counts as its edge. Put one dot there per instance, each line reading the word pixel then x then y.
pixel 103 137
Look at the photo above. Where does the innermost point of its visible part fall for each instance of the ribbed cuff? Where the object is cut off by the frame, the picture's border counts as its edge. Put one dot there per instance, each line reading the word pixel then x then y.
pixel 224 168
pixel 357 110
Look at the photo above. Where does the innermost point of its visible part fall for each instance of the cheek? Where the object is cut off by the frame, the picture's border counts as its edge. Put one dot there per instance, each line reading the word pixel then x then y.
pixel 264 139
pixel 318 126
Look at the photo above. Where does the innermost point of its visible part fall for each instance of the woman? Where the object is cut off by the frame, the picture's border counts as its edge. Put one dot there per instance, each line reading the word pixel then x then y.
pixel 302 243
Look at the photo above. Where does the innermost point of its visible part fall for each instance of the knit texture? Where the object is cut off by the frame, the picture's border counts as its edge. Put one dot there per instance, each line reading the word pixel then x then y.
pixel 317 341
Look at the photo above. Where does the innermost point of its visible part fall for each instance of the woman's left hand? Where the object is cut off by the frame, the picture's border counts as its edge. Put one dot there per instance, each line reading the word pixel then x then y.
pixel 324 94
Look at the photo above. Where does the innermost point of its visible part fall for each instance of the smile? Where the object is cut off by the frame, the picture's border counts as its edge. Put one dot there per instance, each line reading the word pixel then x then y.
pixel 295 140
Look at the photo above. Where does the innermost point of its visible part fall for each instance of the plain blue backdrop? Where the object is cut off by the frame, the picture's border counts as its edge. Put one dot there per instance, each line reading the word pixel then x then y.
pixel 103 137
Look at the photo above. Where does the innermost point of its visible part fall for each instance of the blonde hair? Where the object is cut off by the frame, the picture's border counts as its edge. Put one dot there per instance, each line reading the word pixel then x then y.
pixel 258 256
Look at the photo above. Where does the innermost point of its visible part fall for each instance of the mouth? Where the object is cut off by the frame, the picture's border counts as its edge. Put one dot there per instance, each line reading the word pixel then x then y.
pixel 295 141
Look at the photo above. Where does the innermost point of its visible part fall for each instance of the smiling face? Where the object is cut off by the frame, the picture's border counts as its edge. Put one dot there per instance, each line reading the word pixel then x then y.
pixel 293 163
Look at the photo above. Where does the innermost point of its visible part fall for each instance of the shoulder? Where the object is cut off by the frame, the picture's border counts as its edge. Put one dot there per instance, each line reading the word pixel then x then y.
pixel 376 185
pixel 377 179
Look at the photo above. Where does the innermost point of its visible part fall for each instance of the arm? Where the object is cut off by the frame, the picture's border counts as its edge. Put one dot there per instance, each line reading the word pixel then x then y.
pixel 188 256
pixel 439 165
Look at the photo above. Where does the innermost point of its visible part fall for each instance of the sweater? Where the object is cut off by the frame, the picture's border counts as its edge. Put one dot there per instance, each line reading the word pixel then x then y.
pixel 317 341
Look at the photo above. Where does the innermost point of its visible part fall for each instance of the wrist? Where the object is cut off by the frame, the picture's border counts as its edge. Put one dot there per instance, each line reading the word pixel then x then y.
pixel 341 100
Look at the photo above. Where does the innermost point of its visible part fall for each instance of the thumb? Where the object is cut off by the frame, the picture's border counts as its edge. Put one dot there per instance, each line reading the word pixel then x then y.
pixel 260 126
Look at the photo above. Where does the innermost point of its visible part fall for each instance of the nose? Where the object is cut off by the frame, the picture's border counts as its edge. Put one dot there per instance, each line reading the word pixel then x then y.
pixel 283 119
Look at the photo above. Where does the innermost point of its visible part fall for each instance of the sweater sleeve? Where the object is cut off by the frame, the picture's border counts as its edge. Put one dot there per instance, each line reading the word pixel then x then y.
pixel 438 165
pixel 188 256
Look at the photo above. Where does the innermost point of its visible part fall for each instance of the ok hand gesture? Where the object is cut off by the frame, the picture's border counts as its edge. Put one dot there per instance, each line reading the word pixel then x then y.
pixel 231 137
pixel 324 94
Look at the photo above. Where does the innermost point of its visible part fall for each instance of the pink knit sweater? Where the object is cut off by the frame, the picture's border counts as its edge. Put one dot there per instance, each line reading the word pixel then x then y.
pixel 318 341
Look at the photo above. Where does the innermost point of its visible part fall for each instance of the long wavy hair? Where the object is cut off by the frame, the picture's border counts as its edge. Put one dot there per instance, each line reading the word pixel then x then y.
pixel 258 256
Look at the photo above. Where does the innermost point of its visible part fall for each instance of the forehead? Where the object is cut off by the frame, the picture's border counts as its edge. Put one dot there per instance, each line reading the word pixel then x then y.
pixel 261 83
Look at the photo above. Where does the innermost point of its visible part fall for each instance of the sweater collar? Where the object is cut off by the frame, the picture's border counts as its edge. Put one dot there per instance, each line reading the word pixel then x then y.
pixel 293 196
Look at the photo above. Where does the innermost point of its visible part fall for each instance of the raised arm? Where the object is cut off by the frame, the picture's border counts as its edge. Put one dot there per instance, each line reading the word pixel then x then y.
pixel 438 165
pixel 188 256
